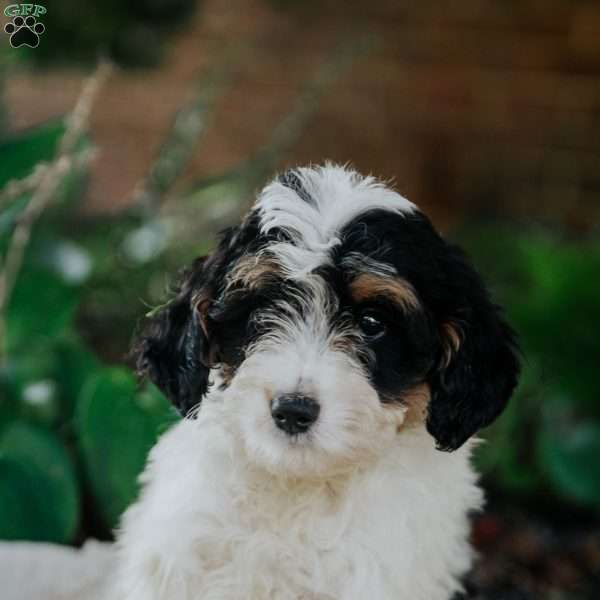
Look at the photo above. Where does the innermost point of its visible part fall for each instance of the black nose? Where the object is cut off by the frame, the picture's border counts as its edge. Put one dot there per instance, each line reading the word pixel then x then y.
pixel 294 413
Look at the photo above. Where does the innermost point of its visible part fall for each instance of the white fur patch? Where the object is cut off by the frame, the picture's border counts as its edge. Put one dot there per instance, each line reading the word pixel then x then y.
pixel 338 195
pixel 212 525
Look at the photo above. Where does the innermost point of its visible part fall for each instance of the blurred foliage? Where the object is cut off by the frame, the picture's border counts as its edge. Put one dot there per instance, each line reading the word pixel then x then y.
pixel 131 33
pixel 134 418
pixel 58 443
pixel 20 154
pixel 549 437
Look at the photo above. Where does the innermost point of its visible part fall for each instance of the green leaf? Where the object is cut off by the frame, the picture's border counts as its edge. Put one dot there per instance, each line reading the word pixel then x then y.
pixel 38 488
pixel 8 399
pixel 20 154
pixel 547 286
pixel 117 426
pixel 504 455
pixel 42 306
pixel 570 458
pixel 27 378
pixel 75 365
pixel 43 382
pixel 22 513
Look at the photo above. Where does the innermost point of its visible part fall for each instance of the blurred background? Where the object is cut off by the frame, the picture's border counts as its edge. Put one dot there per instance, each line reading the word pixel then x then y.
pixel 136 130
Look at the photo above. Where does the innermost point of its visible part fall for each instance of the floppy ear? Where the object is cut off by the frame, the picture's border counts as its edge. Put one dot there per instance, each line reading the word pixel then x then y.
pixel 174 350
pixel 479 367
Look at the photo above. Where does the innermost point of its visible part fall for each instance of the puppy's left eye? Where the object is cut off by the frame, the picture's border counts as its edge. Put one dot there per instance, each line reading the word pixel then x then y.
pixel 372 324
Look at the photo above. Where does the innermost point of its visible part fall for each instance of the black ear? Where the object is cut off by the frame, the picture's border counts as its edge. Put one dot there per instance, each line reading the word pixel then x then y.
pixel 173 351
pixel 479 367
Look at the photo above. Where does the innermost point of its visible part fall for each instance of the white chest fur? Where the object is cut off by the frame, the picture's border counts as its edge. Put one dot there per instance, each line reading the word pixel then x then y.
pixel 209 526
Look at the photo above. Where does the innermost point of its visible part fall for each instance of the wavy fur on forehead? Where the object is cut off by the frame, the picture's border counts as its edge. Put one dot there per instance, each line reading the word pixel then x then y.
pixel 312 204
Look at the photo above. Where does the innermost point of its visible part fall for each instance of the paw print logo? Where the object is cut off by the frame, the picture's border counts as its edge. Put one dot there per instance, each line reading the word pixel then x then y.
pixel 24 32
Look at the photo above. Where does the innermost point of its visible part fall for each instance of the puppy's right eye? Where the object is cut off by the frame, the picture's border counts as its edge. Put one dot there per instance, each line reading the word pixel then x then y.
pixel 372 324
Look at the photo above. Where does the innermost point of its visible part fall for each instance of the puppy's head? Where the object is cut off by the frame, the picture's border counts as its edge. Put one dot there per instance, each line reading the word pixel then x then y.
pixel 335 317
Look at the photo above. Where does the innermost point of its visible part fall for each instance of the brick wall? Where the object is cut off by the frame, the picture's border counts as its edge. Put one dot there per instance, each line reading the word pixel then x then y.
pixel 477 106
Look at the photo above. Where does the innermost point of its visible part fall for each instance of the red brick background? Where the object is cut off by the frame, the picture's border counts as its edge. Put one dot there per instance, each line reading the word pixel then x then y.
pixel 477 105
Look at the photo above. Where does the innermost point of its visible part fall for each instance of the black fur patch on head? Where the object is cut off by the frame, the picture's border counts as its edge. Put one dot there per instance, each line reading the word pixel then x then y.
pixel 206 325
pixel 178 346
pixel 470 383
pixel 290 179
pixel 172 351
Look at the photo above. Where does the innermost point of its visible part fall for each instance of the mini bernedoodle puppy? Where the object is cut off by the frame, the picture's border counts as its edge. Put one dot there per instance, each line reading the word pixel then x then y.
pixel 333 358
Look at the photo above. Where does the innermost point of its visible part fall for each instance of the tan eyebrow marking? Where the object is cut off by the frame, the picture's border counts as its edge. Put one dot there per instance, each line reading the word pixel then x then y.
pixel 398 290
pixel 252 271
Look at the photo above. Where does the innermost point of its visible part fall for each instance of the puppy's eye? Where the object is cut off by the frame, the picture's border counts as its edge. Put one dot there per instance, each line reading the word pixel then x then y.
pixel 372 324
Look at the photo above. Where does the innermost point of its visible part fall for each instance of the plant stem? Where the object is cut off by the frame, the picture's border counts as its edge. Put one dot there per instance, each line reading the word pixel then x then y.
pixel 45 188
pixel 189 124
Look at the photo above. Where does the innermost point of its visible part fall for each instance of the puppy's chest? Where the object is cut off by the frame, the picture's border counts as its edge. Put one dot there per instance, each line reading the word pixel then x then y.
pixel 283 544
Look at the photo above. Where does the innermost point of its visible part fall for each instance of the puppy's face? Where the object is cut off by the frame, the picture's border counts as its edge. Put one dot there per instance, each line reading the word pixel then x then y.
pixel 334 317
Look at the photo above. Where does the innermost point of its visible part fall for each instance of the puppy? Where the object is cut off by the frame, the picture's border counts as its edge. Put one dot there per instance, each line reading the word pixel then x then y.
pixel 333 358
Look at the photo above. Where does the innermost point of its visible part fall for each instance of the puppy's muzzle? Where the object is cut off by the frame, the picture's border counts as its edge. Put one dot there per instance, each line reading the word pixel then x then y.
pixel 294 413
